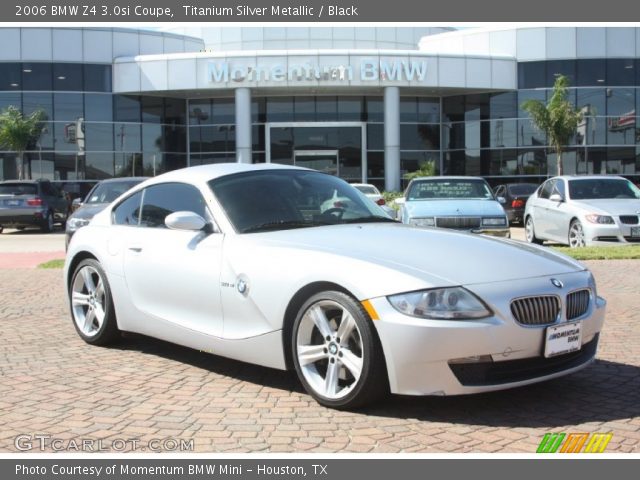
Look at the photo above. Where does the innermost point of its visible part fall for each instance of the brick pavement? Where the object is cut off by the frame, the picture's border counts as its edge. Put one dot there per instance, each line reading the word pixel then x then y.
pixel 53 383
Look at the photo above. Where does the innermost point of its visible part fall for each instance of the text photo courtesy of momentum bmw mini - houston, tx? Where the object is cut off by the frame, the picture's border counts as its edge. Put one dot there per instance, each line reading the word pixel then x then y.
pixel 383 239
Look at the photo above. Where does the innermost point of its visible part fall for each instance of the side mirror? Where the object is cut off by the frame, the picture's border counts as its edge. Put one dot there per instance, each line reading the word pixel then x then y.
pixel 501 200
pixel 556 198
pixel 400 201
pixel 76 202
pixel 185 221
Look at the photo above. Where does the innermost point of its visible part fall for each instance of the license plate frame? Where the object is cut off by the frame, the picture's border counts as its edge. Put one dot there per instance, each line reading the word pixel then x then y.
pixel 562 339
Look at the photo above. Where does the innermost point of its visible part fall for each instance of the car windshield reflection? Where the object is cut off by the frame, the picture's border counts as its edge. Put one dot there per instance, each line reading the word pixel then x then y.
pixel 286 199
pixel 602 188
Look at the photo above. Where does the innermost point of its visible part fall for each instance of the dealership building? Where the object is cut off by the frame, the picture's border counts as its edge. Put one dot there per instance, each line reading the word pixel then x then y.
pixel 365 103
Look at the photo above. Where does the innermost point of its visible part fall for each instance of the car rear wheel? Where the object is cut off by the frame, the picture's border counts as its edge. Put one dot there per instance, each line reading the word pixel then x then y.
pixel 576 235
pixel 92 304
pixel 47 223
pixel 336 352
pixel 530 233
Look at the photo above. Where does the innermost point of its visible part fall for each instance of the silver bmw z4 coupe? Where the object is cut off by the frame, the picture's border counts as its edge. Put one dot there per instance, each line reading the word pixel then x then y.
pixel 247 262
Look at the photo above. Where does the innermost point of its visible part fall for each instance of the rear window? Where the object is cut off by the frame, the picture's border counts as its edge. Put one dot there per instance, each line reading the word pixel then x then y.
pixel 18 189
pixel 522 189
pixel 367 189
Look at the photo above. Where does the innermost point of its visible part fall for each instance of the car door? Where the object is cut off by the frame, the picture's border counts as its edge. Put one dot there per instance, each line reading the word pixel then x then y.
pixel 174 275
pixel 558 214
pixel 540 209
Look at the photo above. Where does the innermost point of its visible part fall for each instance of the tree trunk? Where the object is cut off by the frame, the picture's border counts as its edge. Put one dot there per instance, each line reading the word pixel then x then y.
pixel 20 167
pixel 559 155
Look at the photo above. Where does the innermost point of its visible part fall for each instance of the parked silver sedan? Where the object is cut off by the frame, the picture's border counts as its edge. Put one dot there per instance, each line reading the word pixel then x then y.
pixel 584 210
pixel 460 203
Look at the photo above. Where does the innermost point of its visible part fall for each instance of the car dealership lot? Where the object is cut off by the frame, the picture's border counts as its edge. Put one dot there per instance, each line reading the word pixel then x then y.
pixel 54 384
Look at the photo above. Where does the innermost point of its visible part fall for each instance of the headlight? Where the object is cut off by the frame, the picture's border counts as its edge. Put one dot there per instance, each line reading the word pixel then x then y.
pixel 423 222
pixel 452 303
pixel 602 219
pixel 494 221
pixel 592 285
pixel 74 224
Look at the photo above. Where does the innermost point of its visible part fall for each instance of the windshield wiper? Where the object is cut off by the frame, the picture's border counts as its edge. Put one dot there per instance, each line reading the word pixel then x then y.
pixel 282 225
pixel 372 219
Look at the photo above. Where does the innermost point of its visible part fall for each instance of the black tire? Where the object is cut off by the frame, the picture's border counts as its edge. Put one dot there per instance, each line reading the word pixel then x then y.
pixel 531 236
pixel 373 383
pixel 47 223
pixel 108 332
pixel 1 229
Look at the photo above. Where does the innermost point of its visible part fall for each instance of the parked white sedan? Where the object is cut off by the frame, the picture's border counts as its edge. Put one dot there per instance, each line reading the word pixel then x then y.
pixel 241 261
pixel 584 210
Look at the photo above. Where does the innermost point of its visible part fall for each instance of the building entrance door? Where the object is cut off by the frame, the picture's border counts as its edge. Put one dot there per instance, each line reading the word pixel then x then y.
pixel 322 160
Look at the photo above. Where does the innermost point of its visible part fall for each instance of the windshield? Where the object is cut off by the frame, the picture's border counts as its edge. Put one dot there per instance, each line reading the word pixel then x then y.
pixel 522 189
pixel 449 189
pixel 283 199
pixel 18 189
pixel 107 192
pixel 602 188
pixel 367 189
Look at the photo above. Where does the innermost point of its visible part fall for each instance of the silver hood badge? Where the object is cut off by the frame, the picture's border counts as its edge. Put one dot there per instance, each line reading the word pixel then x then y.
pixel 557 283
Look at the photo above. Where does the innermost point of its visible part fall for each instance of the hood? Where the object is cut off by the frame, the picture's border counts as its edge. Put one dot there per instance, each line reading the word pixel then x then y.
pixel 437 256
pixel 475 207
pixel 88 210
pixel 610 206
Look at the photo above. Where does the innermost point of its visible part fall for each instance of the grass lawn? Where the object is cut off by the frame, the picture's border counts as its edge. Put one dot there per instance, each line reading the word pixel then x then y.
pixel 58 263
pixel 602 253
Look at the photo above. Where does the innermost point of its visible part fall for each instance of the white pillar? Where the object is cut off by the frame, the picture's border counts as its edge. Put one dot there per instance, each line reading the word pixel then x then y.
pixel 243 125
pixel 392 139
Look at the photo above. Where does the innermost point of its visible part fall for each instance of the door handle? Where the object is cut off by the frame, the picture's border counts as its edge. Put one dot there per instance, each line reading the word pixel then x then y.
pixel 135 249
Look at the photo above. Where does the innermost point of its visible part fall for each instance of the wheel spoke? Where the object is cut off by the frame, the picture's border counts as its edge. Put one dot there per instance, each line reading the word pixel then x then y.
pixel 310 354
pixel 98 312
pixel 347 325
pixel 320 320
pixel 331 380
pixel 352 362
pixel 88 280
pixel 80 299
pixel 88 320
pixel 99 289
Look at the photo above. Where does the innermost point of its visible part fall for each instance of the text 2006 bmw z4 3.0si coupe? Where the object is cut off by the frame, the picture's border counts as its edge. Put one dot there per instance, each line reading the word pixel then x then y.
pixel 252 263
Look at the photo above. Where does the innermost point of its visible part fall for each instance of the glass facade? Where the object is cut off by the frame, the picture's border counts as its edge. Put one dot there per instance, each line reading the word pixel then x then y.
pixel 490 135
pixel 90 133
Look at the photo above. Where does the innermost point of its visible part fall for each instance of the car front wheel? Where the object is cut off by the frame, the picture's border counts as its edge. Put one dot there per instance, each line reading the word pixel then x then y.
pixel 336 352
pixel 530 233
pixel 92 304
pixel 576 235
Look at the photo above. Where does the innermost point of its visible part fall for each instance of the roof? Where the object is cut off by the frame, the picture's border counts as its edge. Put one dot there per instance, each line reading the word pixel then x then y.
pixel 209 172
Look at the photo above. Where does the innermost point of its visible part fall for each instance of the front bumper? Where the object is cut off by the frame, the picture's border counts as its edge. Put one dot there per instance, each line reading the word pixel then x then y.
pixel 438 357
pixel 595 234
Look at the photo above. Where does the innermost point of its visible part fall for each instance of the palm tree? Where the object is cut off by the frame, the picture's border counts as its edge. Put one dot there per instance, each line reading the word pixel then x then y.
pixel 17 132
pixel 558 119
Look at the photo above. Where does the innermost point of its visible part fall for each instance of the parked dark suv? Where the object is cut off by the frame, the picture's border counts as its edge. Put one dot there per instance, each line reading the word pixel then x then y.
pixel 32 203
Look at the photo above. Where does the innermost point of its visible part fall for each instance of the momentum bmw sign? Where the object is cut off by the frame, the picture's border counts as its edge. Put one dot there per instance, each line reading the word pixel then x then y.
pixel 369 70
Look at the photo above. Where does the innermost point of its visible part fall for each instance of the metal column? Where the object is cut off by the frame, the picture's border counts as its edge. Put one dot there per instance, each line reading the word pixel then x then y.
pixel 243 125
pixel 392 139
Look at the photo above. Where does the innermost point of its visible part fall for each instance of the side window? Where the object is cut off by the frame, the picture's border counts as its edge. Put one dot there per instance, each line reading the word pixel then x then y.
pixel 46 189
pixel 559 189
pixel 166 198
pixel 547 188
pixel 128 211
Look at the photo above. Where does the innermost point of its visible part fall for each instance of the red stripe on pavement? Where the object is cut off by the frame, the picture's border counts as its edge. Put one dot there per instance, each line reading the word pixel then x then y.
pixel 27 259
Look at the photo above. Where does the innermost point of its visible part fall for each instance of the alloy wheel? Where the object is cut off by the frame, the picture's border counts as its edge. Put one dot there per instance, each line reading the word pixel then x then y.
pixel 88 300
pixel 576 235
pixel 329 349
